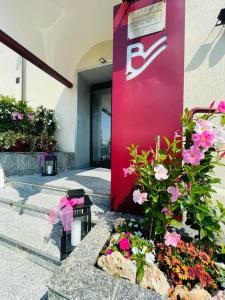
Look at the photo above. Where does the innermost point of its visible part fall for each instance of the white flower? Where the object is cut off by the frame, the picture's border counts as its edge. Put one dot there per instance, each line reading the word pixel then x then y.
pixel 203 125
pixel 130 224
pixel 135 250
pixel 138 233
pixel 150 258
pixel 144 250
pixel 116 237
pixel 132 220
pixel 161 173
pixel 221 265
pixel 219 134
pixel 136 225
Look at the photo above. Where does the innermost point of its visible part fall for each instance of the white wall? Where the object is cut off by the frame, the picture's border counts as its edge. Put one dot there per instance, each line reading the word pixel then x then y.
pixel 10 69
pixel 59 32
pixel 42 89
pixel 204 53
pixel 204 59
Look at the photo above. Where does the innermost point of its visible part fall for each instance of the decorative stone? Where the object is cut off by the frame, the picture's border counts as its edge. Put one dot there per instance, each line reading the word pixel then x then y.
pixel 199 293
pixel 182 293
pixel 155 279
pixel 220 295
pixel 118 222
pixel 116 265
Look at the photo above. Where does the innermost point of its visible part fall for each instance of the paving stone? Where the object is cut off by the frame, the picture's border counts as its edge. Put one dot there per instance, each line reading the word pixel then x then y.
pixel 95 181
pixel 21 279
pixel 30 232
pixel 39 203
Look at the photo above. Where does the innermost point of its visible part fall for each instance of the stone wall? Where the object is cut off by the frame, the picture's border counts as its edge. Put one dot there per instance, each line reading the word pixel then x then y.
pixel 26 163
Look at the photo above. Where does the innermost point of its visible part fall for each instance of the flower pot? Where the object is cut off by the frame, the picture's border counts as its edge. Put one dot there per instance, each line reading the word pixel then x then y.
pixel 19 147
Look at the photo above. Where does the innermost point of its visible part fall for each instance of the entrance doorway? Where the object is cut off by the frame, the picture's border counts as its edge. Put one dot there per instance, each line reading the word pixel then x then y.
pixel 93 130
pixel 101 115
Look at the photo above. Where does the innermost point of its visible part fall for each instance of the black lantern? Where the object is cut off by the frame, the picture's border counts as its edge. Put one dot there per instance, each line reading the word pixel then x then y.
pixel 221 18
pixel 81 224
pixel 49 167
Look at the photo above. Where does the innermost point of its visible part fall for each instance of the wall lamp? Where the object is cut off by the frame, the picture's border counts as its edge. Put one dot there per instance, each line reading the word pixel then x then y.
pixel 221 18
pixel 102 60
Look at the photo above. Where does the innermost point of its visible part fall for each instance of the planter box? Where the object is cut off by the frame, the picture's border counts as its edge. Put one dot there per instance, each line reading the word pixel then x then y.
pixel 78 278
pixel 26 163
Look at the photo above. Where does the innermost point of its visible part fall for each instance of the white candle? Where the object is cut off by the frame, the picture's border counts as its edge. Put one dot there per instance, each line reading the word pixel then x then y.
pixel 2 179
pixel 49 170
pixel 76 233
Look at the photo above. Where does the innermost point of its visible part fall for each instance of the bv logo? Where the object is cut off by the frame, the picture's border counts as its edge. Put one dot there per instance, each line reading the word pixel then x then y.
pixel 149 56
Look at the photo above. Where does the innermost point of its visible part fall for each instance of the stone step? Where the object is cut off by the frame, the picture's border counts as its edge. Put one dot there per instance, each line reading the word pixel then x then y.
pixel 31 235
pixel 93 181
pixel 21 278
pixel 38 204
pixel 53 189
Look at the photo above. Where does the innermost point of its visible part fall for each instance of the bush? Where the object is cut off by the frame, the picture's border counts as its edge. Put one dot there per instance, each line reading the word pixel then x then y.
pixel 15 115
pixel 9 138
pixel 19 122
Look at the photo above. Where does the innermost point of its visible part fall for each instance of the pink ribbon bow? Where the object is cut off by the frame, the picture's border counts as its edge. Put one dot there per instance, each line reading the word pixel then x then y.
pixel 64 211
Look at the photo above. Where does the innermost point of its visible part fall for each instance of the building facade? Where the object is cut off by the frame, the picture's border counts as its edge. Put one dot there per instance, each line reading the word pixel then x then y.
pixel 76 40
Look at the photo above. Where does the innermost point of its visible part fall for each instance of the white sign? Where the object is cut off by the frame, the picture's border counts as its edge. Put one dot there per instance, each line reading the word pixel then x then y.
pixel 137 49
pixel 147 20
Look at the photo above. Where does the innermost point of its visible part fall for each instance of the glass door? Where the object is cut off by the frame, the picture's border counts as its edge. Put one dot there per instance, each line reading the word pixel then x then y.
pixel 101 100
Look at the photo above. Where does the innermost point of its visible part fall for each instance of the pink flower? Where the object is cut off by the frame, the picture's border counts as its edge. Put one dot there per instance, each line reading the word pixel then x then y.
pixel 124 244
pixel 222 155
pixel 174 191
pixel 127 255
pixel 14 115
pixel 166 211
pixel 203 125
pixel 109 252
pixel 139 197
pixel 128 171
pixel 161 173
pixel 205 139
pixel 221 106
pixel 30 117
pixel 172 238
pixel 219 134
pixel 128 233
pixel 193 156
pixel 20 116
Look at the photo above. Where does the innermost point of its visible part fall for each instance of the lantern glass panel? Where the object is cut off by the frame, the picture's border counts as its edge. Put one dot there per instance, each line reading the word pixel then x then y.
pixel 50 166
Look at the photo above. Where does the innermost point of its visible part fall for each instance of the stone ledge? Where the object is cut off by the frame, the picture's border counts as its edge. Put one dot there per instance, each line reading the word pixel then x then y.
pixel 78 278
pixel 26 163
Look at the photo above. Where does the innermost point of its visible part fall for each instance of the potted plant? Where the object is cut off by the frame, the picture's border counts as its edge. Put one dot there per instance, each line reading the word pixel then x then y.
pixel 13 141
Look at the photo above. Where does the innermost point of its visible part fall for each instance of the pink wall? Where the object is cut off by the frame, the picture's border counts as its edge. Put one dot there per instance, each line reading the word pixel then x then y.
pixel 150 104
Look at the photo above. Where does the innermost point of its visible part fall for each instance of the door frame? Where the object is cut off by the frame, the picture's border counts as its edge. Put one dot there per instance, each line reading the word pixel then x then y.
pixel 96 87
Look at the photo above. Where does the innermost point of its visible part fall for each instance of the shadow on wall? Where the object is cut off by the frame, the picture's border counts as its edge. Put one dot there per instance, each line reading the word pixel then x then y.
pixel 214 50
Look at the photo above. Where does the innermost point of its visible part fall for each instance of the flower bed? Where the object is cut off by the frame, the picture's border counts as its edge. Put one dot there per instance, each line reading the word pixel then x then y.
pixel 174 186
pixel 24 129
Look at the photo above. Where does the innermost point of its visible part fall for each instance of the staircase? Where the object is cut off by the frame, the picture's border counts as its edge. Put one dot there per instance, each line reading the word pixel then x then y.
pixel 27 239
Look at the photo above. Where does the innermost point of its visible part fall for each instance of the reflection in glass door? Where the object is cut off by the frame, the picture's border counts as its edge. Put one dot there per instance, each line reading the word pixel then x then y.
pixel 101 99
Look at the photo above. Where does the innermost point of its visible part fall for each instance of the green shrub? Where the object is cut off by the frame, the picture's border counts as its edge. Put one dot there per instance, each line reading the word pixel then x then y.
pixel 9 138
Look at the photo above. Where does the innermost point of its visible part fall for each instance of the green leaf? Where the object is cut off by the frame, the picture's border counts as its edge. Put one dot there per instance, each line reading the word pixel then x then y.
pixel 140 273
